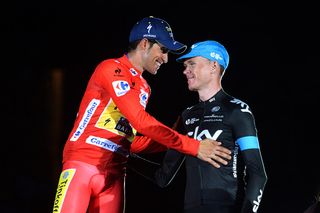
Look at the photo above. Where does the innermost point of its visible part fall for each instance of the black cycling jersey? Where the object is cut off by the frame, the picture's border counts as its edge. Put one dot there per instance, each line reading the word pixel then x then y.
pixel 239 184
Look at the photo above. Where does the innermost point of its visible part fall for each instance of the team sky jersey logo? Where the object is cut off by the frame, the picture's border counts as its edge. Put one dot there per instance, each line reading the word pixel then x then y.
pixel 120 87
pixel 257 202
pixel 204 134
pixel 244 106
pixel 63 185
pixel 111 119
pixel 93 105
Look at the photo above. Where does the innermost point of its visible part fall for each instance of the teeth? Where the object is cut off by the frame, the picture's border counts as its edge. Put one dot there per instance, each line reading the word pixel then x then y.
pixel 159 64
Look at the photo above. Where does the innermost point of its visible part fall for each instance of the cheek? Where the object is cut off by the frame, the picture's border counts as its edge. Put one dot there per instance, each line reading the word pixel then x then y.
pixel 203 74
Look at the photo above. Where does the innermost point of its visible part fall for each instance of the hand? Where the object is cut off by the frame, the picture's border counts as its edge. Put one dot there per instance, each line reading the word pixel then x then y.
pixel 212 152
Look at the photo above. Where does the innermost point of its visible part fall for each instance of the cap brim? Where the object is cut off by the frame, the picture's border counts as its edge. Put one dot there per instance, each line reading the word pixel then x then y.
pixel 174 46
pixel 190 54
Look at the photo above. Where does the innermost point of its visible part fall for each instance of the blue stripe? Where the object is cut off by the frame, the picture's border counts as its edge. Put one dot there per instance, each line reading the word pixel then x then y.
pixel 248 142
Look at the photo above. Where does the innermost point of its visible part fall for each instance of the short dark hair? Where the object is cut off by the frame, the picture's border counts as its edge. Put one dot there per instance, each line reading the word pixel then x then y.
pixel 133 45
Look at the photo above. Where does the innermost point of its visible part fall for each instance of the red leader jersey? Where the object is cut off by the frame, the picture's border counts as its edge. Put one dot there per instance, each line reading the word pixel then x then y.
pixel 111 112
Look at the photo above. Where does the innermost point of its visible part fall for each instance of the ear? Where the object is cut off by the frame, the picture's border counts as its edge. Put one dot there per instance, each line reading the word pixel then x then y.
pixel 144 44
pixel 214 66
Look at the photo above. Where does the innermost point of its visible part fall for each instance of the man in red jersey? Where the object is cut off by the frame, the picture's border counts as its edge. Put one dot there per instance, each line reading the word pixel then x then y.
pixel 111 112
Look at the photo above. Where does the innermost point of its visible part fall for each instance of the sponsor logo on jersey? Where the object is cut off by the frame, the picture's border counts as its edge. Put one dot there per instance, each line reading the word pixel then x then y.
pixel 143 98
pixel 120 87
pixel 234 162
pixel 63 185
pixel 191 121
pixel 102 143
pixel 204 134
pixel 133 72
pixel 213 118
pixel 257 202
pixel 85 119
pixel 124 126
pixel 117 71
pixel 111 119
pixel 244 106
pixel 215 109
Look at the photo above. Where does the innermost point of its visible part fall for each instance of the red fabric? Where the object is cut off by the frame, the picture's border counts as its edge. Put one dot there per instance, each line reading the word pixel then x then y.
pixel 116 91
pixel 82 186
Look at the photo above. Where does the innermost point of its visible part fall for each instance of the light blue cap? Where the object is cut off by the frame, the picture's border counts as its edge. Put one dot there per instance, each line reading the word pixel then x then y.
pixel 211 50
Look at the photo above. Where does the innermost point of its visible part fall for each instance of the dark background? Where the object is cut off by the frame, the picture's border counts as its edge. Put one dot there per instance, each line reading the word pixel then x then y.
pixel 49 50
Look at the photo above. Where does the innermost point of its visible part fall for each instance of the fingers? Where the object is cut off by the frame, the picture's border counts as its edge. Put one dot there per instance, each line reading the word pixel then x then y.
pixel 223 150
pixel 212 152
pixel 219 160
pixel 215 160
pixel 212 162
pixel 226 154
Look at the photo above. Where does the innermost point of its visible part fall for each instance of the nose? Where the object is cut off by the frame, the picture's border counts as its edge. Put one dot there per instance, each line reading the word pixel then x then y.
pixel 186 70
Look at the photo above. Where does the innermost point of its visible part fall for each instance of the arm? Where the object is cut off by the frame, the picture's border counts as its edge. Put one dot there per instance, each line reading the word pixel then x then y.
pixel 143 144
pixel 131 99
pixel 257 176
pixel 160 174
pixel 171 164
pixel 247 139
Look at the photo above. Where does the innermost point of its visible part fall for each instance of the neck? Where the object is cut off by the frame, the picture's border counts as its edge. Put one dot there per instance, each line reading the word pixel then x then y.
pixel 206 93
pixel 135 60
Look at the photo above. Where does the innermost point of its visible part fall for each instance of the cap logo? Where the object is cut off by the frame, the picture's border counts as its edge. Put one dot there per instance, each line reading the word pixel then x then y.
pixel 169 31
pixel 215 55
pixel 193 46
pixel 149 27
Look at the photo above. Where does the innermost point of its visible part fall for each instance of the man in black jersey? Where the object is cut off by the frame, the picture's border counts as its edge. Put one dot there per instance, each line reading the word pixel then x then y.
pixel 233 188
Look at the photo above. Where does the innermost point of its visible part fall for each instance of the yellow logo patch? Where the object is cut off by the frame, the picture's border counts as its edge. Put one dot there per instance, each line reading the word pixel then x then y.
pixel 63 185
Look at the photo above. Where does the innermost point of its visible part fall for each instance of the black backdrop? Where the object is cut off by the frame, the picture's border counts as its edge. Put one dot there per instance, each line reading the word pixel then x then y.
pixel 51 48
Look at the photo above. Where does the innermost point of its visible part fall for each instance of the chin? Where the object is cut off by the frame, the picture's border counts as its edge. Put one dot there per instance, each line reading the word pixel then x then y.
pixel 192 88
pixel 155 71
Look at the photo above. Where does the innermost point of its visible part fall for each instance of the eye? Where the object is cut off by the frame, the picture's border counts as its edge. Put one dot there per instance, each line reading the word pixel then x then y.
pixel 164 50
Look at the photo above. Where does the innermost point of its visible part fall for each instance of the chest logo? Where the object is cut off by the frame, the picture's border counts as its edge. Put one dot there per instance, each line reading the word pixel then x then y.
pixel 120 87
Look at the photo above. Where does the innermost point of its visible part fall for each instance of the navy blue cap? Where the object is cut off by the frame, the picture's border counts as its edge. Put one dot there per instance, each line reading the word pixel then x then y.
pixel 156 29
pixel 211 50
